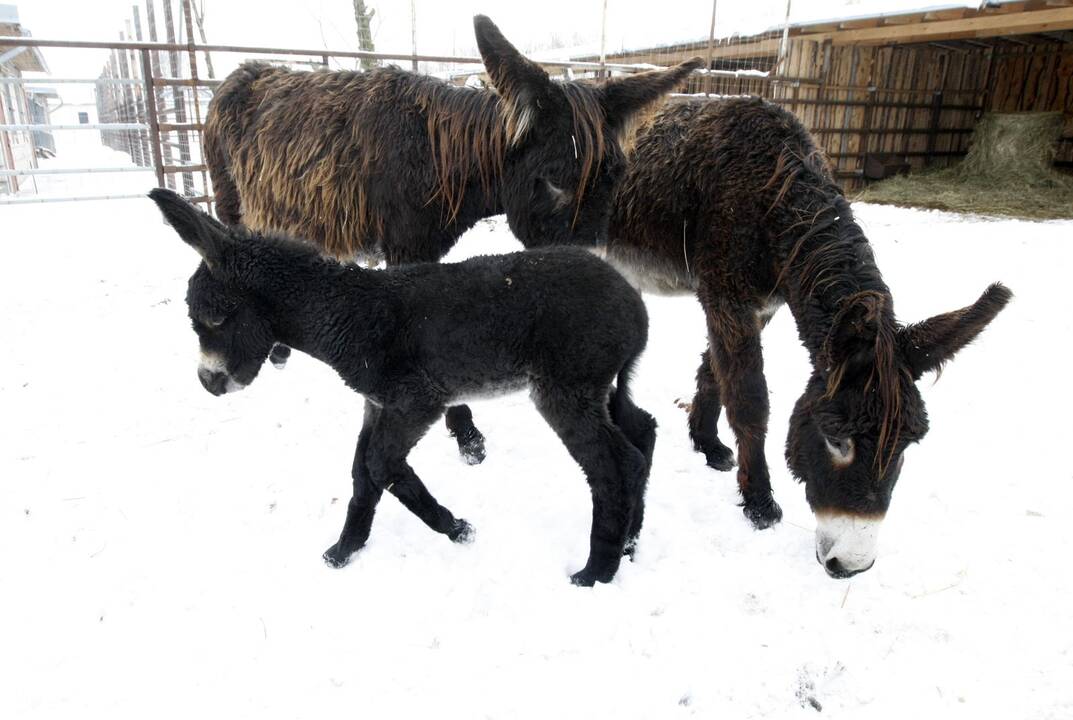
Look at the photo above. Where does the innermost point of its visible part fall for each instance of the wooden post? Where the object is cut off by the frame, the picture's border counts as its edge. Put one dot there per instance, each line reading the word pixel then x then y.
pixel 708 61
pixel 139 93
pixel 178 100
pixel 188 17
pixel 603 42
pixel 150 21
pixel 127 113
pixel 413 34
pixel 154 125
pixel 866 123
pixel 933 124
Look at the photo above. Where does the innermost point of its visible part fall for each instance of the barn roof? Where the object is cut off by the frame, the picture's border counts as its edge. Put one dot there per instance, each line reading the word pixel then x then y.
pixel 22 59
pixel 1051 20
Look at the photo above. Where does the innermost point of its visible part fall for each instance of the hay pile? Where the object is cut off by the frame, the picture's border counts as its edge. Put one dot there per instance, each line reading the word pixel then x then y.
pixel 1007 171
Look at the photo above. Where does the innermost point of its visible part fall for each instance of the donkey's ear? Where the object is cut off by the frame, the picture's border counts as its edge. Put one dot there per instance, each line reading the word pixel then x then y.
pixel 851 342
pixel 929 344
pixel 197 229
pixel 517 80
pixel 625 98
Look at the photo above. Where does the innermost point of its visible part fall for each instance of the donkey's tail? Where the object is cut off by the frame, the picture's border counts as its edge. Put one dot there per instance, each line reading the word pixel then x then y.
pixel 223 131
pixel 636 424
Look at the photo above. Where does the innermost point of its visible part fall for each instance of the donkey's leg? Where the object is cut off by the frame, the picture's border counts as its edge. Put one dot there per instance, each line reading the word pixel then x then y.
pixel 640 429
pixel 362 506
pixel 394 436
pixel 704 418
pixel 469 438
pixel 614 468
pixel 738 365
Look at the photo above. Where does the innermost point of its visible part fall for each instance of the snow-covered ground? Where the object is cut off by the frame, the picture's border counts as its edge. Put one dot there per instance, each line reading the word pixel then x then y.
pixel 160 547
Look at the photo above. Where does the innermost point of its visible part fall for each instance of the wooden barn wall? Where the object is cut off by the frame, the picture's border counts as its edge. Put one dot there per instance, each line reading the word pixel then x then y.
pixel 919 101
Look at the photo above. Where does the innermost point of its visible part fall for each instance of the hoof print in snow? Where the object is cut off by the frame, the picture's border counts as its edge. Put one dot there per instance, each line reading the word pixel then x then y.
pixel 763 513
pixel 462 533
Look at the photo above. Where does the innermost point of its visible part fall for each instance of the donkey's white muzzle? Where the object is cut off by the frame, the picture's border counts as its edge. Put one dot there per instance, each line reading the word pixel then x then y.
pixel 846 544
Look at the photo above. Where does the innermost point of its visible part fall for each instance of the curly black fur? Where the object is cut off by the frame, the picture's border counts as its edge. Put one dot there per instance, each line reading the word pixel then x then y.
pixel 733 200
pixel 416 338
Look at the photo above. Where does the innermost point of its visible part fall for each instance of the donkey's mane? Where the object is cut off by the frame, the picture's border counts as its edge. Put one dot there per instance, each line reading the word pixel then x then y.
pixel 826 268
pixel 469 133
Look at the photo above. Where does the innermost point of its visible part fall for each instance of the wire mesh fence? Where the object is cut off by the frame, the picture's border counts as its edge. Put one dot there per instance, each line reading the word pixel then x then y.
pixel 152 90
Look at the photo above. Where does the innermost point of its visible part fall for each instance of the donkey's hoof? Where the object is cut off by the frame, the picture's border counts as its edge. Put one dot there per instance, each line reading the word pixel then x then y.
pixel 462 532
pixel 721 458
pixel 629 548
pixel 716 454
pixel 471 446
pixel 336 558
pixel 762 513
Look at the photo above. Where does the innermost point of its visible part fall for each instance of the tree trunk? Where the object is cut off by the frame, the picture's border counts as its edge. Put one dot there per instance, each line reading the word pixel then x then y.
pixel 365 34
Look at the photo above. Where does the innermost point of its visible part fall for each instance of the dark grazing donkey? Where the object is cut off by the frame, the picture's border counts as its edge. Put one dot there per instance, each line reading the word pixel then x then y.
pixel 732 200
pixel 415 338
pixel 397 166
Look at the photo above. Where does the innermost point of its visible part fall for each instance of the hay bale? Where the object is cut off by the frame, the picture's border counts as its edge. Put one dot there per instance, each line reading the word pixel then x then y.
pixel 1008 171
pixel 1016 147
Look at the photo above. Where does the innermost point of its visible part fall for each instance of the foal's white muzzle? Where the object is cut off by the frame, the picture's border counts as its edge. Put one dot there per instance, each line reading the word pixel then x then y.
pixel 212 372
pixel 846 544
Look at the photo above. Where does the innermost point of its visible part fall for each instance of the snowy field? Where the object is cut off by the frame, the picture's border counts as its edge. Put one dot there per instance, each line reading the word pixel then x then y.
pixel 160 547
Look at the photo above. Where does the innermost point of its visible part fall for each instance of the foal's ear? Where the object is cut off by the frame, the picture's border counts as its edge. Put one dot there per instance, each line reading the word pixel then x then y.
pixel 929 344
pixel 625 98
pixel 517 79
pixel 197 229
pixel 851 341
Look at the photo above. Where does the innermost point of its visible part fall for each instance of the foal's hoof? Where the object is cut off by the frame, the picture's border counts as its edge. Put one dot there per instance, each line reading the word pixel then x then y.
pixel 279 355
pixel 336 558
pixel 471 446
pixel 762 513
pixel 629 548
pixel 461 532
pixel 588 578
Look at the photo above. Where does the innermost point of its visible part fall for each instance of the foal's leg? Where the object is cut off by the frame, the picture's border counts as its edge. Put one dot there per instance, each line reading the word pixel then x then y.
pixel 362 506
pixel 738 365
pixel 640 429
pixel 469 438
pixel 614 468
pixel 704 418
pixel 395 434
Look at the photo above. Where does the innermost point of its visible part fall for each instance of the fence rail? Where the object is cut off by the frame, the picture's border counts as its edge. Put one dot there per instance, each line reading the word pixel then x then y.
pixel 132 79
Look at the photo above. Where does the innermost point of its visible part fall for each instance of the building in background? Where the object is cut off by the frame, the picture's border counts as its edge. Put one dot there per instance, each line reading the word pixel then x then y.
pixel 17 148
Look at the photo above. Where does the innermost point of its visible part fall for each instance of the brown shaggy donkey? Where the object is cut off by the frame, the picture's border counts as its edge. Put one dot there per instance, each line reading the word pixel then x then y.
pixel 732 200
pixel 397 166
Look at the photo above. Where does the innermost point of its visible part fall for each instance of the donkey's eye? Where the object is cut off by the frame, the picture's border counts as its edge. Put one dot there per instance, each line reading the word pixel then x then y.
pixel 214 321
pixel 841 450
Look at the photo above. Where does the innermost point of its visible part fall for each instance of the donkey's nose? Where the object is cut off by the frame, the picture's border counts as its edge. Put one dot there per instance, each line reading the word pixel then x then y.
pixel 836 569
pixel 214 382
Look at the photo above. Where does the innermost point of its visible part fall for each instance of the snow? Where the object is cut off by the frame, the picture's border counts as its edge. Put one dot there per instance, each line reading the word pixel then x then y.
pixel 160 547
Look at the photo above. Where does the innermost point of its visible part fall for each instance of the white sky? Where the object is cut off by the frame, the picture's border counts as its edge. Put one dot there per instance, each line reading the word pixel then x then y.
pixel 443 26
